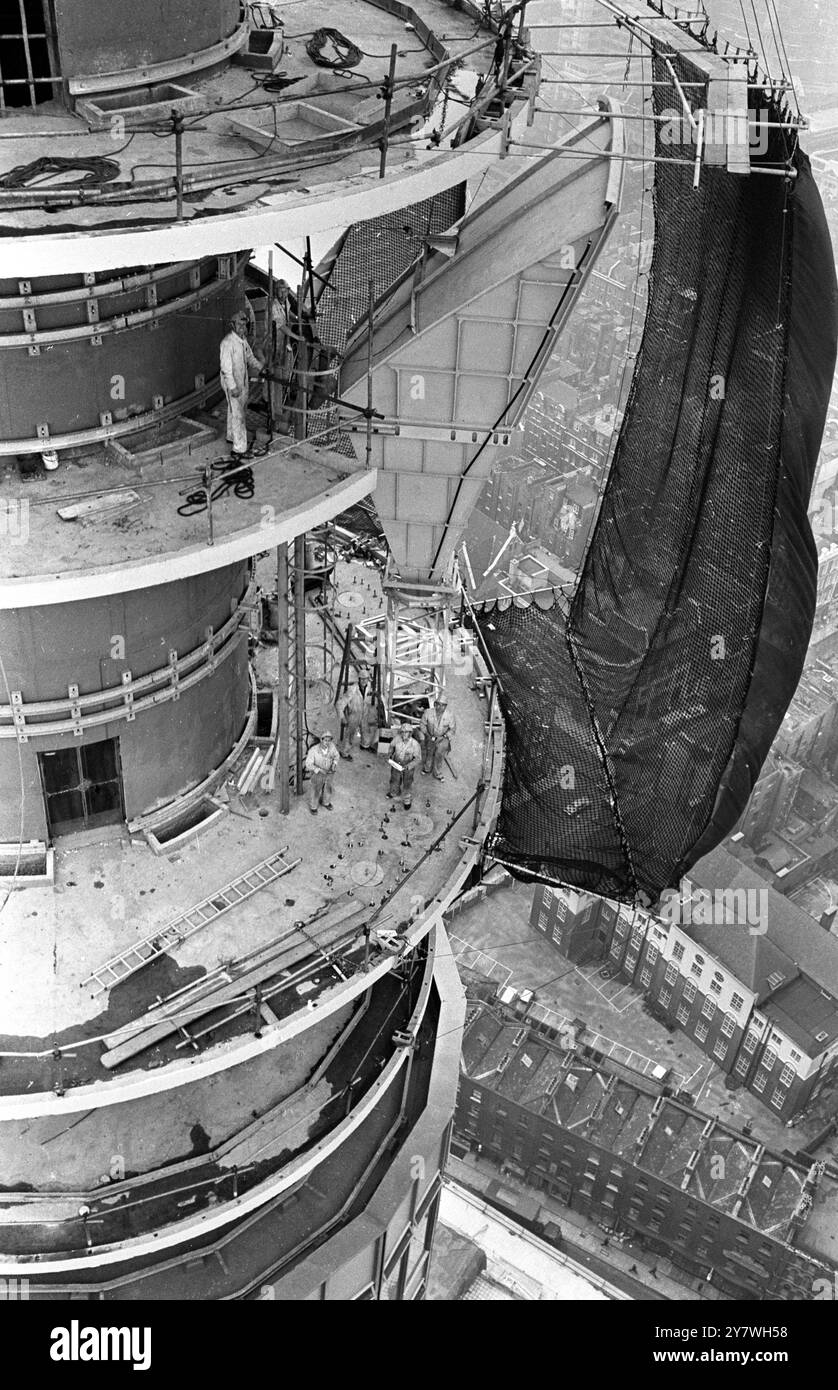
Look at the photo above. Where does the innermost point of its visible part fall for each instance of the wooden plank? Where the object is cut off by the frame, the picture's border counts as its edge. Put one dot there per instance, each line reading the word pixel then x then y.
pixel 102 502
pixel 126 1042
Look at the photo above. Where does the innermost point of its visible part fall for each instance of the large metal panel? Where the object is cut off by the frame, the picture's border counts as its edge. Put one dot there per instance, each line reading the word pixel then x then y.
pixel 128 34
pixel 466 338
pixel 69 364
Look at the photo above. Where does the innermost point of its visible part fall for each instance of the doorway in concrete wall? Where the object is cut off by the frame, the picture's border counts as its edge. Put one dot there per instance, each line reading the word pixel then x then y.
pixel 82 787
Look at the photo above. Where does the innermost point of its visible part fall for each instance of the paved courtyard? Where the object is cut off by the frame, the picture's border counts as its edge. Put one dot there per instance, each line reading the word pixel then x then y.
pixel 493 938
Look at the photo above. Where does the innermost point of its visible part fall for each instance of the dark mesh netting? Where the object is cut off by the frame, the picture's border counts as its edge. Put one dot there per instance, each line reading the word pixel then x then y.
pixel 638 720
pixel 380 250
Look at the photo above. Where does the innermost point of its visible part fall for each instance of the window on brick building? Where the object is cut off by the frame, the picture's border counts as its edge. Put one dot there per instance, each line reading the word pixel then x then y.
pixel 701 1031
pixel 787 1075
pixel 689 992
pixel 671 974
pixel 728 1025
pixel 720 1050
pixel 759 1082
pixel 708 1008
pixel 769 1058
pixel 682 1014
pixel 778 1098
pixel 664 997
pixel 645 977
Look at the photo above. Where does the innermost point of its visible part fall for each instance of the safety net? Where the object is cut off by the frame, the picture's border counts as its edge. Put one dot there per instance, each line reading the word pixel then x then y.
pixel 379 250
pixel 638 717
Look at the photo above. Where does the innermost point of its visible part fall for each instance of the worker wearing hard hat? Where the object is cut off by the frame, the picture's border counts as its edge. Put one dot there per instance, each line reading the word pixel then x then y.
pixel 358 710
pixel 436 730
pixel 238 364
pixel 321 761
pixel 405 757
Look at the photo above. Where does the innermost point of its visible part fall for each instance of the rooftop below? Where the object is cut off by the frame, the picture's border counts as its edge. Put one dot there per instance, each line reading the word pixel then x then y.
pixel 671 1141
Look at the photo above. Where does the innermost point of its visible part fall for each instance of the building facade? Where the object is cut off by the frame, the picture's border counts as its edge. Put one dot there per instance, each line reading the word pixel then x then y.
pixel 715 1202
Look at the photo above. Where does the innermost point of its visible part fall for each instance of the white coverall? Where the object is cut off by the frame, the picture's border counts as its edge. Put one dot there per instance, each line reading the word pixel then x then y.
pixel 404 751
pixel 357 709
pixel 238 361
pixel 435 731
pixel 321 761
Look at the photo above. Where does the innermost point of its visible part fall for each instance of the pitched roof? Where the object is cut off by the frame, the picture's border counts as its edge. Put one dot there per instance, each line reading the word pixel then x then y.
pixel 789 930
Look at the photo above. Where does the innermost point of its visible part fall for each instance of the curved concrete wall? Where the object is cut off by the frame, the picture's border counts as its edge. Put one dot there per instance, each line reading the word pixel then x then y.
pixel 163 750
pixel 133 33
pixel 69 385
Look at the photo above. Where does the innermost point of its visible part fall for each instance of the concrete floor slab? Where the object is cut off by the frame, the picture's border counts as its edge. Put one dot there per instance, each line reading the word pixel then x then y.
pixel 107 896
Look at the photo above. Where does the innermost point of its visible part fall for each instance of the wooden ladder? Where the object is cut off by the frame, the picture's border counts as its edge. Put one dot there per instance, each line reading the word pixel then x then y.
pixel 142 953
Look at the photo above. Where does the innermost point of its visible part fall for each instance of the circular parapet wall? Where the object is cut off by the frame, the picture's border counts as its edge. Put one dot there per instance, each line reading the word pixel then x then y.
pixel 120 703
pixel 70 45
pixel 80 354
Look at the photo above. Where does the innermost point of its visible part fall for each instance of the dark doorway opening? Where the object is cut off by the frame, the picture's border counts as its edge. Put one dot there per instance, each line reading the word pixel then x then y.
pixel 82 787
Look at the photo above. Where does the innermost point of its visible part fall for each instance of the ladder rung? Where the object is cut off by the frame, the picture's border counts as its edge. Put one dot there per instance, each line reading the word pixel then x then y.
pixel 241 888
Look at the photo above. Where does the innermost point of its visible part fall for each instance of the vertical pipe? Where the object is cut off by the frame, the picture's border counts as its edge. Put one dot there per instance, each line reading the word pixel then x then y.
pixel 177 126
pixel 300 370
pixel 284 735
pixel 269 346
pixel 309 271
pixel 370 317
pixel 388 105
pixel 392 638
pixel 208 489
pixel 299 656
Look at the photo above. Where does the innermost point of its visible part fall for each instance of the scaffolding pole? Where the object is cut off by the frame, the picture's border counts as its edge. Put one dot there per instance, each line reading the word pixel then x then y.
pixel 284 733
pixel 299 657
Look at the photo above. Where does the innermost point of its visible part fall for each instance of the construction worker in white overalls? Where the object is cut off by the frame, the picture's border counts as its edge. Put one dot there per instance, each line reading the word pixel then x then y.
pixel 321 761
pixel 436 729
pixel 238 363
pixel 405 757
pixel 358 711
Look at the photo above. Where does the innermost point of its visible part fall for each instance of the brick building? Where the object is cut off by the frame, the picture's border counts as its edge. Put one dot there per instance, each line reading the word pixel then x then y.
pixel 721 1206
pixel 742 970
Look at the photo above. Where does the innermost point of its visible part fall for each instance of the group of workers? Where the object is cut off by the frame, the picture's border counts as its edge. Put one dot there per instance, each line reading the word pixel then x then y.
pixel 429 744
pixel 288 388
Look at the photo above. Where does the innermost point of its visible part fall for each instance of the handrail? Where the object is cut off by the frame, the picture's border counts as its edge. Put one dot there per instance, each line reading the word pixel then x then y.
pixel 217 647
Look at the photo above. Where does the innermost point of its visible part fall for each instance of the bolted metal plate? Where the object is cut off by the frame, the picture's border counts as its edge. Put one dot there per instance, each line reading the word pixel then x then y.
pixel 350 598
pixel 418 826
pixel 366 872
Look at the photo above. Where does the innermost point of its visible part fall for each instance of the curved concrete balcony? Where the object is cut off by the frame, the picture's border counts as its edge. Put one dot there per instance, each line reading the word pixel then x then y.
pixel 252 165
pixel 376 1080
pixel 140 539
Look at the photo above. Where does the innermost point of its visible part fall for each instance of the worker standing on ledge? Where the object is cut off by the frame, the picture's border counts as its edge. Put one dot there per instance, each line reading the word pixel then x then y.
pixel 321 761
pixel 238 363
pixel 358 713
pixel 405 757
pixel 436 731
